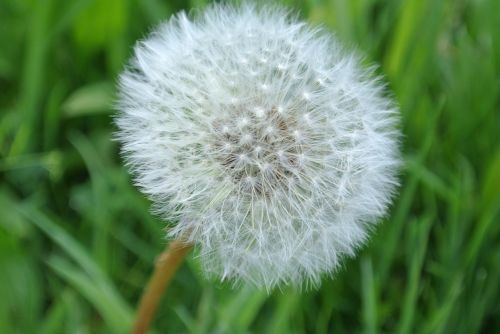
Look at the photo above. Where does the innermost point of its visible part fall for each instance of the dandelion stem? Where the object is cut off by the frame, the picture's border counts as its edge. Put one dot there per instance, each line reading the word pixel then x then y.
pixel 165 267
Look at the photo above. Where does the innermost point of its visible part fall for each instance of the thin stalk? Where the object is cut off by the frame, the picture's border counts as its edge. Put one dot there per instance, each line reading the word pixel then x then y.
pixel 165 268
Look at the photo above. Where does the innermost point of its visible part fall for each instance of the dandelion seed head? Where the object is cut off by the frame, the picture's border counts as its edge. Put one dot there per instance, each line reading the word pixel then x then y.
pixel 270 146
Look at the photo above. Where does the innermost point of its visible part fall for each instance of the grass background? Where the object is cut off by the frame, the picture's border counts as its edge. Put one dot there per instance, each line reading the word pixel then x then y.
pixel 77 241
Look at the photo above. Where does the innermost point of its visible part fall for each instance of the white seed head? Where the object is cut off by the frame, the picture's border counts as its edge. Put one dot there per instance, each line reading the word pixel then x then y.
pixel 267 142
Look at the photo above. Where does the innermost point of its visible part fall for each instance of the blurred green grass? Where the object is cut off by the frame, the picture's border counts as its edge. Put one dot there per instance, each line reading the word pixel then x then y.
pixel 77 241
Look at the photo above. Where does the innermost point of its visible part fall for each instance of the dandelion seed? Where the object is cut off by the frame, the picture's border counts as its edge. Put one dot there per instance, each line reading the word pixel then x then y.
pixel 269 170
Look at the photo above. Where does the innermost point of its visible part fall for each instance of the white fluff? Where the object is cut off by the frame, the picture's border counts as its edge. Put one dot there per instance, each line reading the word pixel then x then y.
pixel 269 144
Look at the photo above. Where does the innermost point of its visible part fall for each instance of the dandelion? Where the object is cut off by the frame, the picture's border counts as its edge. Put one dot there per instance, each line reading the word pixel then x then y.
pixel 267 142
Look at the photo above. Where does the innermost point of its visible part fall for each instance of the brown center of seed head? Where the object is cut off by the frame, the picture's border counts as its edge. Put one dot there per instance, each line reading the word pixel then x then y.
pixel 260 151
